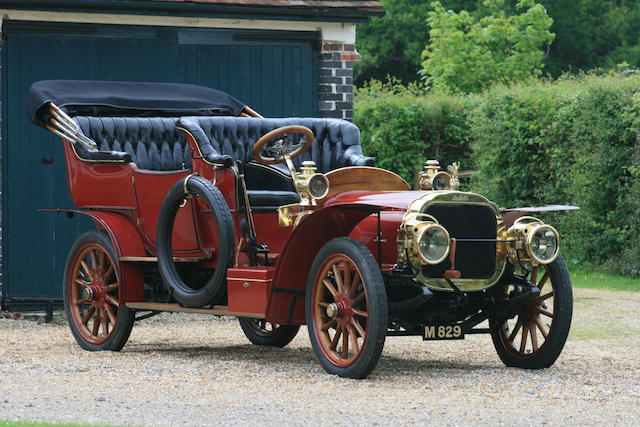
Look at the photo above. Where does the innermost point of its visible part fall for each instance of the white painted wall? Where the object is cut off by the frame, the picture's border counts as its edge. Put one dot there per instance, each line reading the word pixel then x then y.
pixel 343 32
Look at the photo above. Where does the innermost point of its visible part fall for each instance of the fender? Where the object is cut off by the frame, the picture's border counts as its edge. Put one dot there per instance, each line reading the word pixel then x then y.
pixel 510 215
pixel 336 218
pixel 126 242
pixel 286 299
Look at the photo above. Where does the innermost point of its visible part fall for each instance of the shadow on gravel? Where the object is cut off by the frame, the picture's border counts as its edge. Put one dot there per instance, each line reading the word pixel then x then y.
pixel 269 355
pixel 300 359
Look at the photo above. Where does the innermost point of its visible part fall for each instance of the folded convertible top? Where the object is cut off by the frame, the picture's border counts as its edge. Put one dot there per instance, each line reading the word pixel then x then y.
pixel 132 99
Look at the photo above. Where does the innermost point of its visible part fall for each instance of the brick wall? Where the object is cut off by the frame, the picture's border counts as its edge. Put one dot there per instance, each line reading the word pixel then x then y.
pixel 336 79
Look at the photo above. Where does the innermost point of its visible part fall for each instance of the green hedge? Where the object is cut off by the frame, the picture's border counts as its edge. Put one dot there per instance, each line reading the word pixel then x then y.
pixel 402 131
pixel 572 141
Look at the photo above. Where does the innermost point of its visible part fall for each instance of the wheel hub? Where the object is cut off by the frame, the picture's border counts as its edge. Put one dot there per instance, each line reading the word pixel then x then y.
pixel 342 309
pixel 97 292
pixel 333 310
pixel 88 294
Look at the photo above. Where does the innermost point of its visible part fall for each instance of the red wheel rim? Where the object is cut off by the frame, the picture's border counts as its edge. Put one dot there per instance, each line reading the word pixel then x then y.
pixel 93 293
pixel 340 310
pixel 525 335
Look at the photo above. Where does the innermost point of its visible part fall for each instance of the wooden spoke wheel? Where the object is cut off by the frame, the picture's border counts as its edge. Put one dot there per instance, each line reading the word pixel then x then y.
pixel 536 336
pixel 346 306
pixel 92 291
pixel 261 332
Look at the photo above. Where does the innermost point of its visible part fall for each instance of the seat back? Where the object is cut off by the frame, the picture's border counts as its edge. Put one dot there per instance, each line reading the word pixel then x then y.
pixel 337 142
pixel 153 143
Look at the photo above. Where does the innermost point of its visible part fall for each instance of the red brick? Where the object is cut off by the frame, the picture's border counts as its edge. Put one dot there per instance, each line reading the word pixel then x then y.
pixel 349 47
pixel 350 57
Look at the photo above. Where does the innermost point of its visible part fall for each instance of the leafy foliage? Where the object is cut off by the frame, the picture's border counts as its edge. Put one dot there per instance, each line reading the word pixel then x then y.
pixel 572 141
pixel 467 54
pixel 589 34
pixel 592 33
pixel 391 45
pixel 403 129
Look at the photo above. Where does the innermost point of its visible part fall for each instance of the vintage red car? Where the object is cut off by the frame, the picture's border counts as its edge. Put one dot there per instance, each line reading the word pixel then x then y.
pixel 201 205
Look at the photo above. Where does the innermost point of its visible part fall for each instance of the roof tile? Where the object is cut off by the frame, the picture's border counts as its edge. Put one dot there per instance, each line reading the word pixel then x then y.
pixel 313 4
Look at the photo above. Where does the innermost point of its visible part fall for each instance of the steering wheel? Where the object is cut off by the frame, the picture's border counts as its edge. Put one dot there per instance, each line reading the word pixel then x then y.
pixel 272 147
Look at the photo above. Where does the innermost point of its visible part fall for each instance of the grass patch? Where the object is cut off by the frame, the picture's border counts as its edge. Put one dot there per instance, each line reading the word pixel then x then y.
pixel 583 278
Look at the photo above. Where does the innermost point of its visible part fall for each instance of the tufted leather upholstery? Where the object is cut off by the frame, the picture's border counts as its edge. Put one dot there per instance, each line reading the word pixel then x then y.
pixel 153 143
pixel 224 140
pixel 337 142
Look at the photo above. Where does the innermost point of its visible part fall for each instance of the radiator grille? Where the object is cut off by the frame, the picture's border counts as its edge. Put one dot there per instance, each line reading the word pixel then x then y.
pixel 475 260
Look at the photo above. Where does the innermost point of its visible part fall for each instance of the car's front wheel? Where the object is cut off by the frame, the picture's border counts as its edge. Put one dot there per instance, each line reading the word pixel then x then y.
pixel 346 307
pixel 535 337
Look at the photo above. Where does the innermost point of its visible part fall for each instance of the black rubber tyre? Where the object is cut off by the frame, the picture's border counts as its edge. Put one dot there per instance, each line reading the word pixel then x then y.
pixel 98 322
pixel 215 287
pixel 346 309
pixel 539 345
pixel 261 332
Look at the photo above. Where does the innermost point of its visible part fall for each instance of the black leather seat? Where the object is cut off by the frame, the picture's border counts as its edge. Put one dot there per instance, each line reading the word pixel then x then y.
pixel 153 143
pixel 223 140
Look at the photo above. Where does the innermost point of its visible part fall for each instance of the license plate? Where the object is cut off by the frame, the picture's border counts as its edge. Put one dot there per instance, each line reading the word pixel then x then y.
pixel 443 332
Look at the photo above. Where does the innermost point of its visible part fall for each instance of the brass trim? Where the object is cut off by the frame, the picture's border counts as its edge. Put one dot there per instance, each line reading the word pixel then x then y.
pixel 418 205
pixel 291 215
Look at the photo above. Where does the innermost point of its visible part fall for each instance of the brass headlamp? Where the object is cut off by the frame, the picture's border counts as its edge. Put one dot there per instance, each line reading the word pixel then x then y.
pixel 535 241
pixel 432 178
pixel 310 185
pixel 422 240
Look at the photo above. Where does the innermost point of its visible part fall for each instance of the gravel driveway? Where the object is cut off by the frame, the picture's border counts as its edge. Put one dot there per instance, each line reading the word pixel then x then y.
pixel 198 370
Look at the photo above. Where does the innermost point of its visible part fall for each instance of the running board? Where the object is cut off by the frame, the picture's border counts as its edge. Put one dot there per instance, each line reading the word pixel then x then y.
pixel 155 259
pixel 217 310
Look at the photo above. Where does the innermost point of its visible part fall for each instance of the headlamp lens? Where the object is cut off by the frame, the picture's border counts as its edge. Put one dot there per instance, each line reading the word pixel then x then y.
pixel 318 186
pixel 544 244
pixel 441 181
pixel 433 244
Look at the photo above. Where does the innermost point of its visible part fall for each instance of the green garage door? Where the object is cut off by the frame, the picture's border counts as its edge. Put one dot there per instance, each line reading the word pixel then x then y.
pixel 273 72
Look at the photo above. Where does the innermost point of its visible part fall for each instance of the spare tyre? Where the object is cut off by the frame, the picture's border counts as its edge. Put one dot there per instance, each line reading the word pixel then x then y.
pixel 214 288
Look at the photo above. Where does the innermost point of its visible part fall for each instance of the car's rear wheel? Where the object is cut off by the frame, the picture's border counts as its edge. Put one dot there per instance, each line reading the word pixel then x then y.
pixel 261 332
pixel 346 308
pixel 93 287
pixel 535 337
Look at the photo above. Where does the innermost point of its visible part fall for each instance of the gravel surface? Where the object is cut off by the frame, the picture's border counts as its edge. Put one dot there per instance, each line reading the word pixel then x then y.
pixel 197 370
